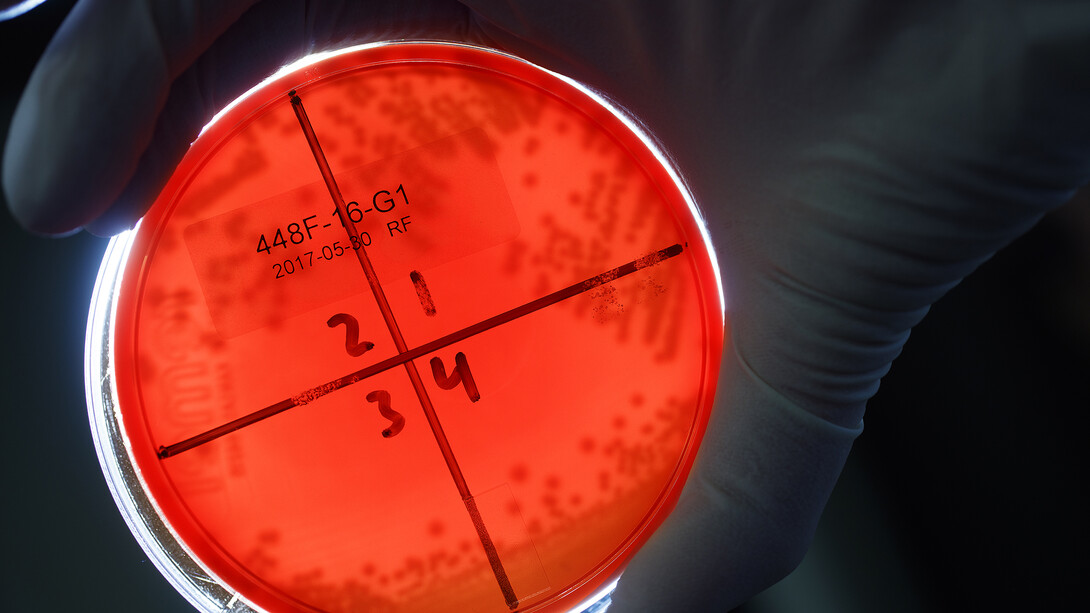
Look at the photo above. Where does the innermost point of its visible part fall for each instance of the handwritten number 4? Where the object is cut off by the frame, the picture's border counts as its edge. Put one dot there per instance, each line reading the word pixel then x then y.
pixel 460 374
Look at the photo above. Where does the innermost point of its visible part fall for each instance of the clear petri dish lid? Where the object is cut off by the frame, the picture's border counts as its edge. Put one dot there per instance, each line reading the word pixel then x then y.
pixel 415 326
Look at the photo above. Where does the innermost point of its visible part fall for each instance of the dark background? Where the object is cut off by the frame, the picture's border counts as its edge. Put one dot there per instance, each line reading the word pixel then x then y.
pixel 965 492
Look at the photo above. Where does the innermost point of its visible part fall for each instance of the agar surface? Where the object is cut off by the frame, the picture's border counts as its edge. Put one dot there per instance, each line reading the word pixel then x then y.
pixel 568 326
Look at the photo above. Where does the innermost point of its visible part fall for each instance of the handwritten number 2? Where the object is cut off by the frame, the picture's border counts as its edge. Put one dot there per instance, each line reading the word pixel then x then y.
pixel 397 420
pixel 352 342
pixel 460 374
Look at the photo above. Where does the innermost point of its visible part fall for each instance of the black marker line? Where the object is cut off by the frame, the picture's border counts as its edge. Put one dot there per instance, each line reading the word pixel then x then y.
pixel 410 367
pixel 422 293
pixel 314 393
pixel 406 357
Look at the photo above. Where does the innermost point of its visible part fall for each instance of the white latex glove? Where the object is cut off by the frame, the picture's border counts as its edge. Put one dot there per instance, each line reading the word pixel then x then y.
pixel 855 160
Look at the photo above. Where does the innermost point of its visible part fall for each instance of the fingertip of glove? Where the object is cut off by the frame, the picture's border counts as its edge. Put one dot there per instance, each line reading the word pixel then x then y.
pixel 53 171
pixel 27 197
pixel 113 222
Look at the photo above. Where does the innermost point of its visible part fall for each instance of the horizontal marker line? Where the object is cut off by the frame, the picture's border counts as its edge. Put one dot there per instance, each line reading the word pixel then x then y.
pixel 429 347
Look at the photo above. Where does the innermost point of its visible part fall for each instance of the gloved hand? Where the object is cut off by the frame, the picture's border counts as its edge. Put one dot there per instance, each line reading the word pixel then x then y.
pixel 854 160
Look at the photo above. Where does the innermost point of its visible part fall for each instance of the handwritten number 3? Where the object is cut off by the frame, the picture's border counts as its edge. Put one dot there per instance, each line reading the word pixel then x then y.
pixel 397 420
pixel 352 342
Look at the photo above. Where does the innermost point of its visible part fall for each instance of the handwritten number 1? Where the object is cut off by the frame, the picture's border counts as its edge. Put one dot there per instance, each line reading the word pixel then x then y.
pixel 352 342
pixel 460 374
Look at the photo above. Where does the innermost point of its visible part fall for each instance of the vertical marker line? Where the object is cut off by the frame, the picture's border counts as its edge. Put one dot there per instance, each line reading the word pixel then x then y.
pixel 422 293
pixel 399 343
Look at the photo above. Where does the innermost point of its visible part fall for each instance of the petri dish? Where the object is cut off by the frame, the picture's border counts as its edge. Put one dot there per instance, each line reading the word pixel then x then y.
pixel 415 326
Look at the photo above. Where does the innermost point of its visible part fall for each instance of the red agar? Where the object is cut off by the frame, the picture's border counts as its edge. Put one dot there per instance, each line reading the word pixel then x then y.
pixel 271 320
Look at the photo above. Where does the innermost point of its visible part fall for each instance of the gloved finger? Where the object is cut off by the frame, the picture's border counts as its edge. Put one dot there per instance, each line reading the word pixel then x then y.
pixel 270 35
pixel 71 161
pixel 91 104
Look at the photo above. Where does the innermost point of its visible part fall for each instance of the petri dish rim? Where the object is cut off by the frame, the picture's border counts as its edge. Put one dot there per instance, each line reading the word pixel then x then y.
pixel 124 301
